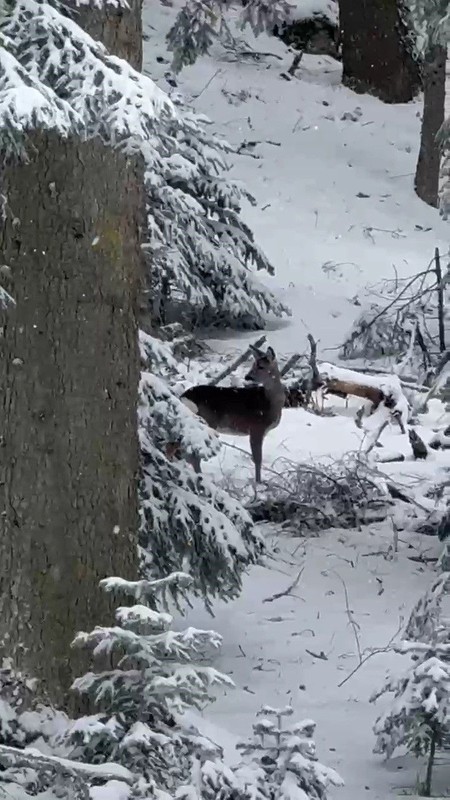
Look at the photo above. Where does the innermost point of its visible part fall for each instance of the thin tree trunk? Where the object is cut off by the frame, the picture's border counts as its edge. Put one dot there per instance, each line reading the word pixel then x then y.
pixel 69 373
pixel 426 181
pixel 430 765
pixel 376 54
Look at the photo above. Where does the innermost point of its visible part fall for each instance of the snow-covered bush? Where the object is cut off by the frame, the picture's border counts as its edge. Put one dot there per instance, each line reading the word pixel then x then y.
pixel 314 497
pixel 187 521
pixel 282 761
pixel 402 328
pixel 200 250
pixel 145 676
pixel 419 716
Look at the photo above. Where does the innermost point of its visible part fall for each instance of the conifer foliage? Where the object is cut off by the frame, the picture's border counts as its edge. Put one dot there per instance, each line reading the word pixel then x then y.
pixel 283 758
pixel 158 674
pixel 419 717
pixel 187 521
pixel 202 22
pixel 54 75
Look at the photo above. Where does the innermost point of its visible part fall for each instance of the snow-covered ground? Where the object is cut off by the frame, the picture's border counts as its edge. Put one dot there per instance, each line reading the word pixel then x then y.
pixel 335 212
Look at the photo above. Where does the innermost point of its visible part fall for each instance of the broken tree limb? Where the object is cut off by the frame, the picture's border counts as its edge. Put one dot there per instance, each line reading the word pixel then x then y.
pixel 237 362
pixel 313 361
pixel 290 363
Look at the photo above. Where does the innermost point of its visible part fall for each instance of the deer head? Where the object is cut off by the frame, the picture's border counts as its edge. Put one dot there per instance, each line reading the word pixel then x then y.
pixel 265 368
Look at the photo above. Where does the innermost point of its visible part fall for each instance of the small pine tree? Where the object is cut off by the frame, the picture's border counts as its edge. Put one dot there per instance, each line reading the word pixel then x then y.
pixel 420 714
pixel 282 761
pixel 145 676
pixel 419 717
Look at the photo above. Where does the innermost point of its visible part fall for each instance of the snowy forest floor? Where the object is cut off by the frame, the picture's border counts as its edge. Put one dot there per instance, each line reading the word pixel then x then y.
pixel 336 213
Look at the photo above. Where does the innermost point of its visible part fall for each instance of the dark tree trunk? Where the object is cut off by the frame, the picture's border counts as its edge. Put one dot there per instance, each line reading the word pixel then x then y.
pixel 426 182
pixel 376 55
pixel 69 373
pixel 119 29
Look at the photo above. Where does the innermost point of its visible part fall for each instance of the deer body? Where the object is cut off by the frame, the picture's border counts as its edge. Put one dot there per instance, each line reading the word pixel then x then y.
pixel 243 411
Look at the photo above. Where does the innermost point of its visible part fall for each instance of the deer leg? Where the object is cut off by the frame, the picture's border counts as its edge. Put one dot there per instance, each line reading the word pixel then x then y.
pixel 256 441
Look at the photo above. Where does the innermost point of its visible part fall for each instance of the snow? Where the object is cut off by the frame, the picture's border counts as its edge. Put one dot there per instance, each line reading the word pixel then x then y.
pixel 335 213
pixel 111 790
pixel 307 9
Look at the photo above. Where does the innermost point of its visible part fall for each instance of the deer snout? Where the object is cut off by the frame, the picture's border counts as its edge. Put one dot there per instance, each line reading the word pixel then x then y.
pixel 248 377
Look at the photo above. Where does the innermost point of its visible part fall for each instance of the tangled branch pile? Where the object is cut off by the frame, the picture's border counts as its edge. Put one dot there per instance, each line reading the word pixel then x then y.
pixel 341 494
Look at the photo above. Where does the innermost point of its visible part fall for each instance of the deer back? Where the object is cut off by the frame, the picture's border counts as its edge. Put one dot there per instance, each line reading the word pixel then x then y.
pixel 230 409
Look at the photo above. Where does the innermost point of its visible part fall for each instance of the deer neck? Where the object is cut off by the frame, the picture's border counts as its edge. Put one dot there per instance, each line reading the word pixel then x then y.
pixel 275 392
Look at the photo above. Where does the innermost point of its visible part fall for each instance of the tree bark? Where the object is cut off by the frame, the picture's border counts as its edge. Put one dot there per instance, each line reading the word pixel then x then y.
pixel 119 29
pixel 376 55
pixel 426 181
pixel 69 374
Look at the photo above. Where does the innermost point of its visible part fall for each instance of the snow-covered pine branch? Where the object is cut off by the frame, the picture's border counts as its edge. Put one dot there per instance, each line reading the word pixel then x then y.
pixel 201 251
pixel 187 522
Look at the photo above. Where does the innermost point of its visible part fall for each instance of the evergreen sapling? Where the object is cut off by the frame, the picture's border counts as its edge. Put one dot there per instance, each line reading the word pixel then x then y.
pixel 281 761
pixel 419 716
pixel 146 676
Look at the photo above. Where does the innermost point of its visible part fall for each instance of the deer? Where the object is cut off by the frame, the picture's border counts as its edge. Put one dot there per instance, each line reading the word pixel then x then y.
pixel 251 410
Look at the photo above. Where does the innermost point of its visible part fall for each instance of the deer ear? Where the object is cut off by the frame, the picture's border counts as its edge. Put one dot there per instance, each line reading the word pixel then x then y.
pixel 271 354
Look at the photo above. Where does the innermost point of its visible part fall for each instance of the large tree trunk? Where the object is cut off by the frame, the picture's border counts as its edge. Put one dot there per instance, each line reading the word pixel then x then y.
pixel 69 373
pixel 426 181
pixel 375 52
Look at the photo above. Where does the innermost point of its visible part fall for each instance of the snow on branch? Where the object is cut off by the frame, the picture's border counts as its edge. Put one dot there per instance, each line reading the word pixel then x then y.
pixel 113 100
pixel 26 103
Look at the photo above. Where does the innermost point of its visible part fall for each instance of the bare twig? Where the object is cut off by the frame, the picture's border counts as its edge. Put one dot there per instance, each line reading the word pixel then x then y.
pixel 352 622
pixel 321 655
pixel 373 652
pixel 287 591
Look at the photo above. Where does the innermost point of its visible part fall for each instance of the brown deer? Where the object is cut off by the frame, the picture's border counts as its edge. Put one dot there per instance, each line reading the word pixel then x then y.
pixel 243 411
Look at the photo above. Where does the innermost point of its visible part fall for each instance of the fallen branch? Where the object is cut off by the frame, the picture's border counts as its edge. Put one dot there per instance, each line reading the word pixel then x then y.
pixel 287 591
pixel 237 362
